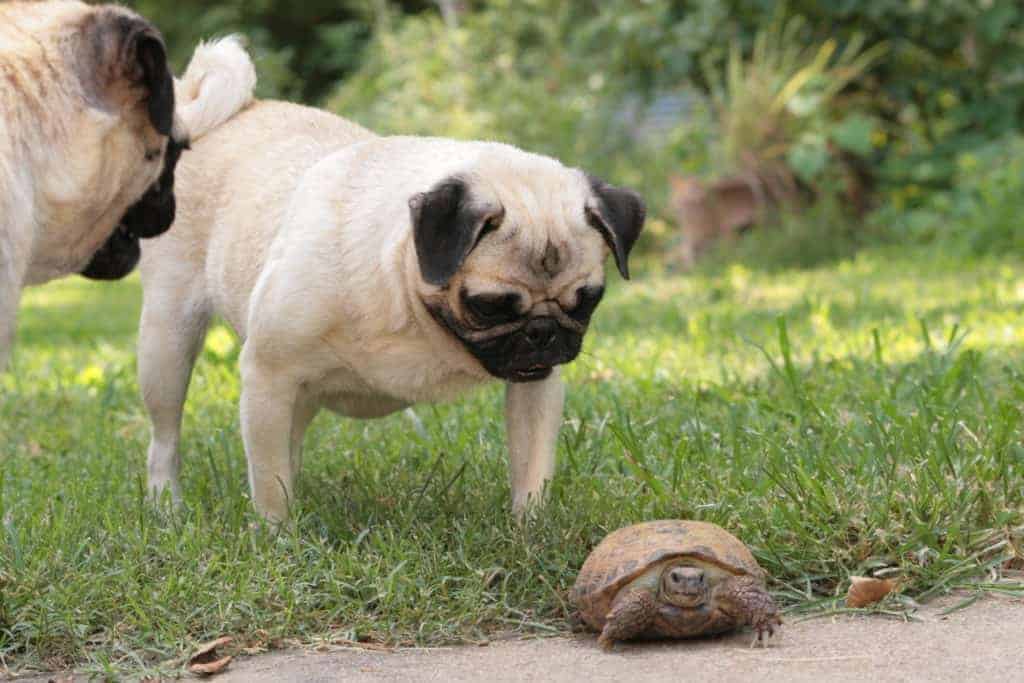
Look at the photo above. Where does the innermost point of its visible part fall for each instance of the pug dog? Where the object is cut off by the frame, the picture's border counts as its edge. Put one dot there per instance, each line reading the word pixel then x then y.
pixel 87 126
pixel 366 274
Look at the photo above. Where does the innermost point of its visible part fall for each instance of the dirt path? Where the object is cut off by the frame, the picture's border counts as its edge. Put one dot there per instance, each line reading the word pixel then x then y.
pixel 984 642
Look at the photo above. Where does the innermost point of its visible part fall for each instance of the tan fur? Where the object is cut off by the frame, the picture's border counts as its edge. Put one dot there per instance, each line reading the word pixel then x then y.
pixel 218 82
pixel 294 226
pixel 74 141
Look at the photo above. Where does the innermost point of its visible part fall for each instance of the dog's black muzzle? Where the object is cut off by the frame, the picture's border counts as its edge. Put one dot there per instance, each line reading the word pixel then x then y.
pixel 527 354
pixel 149 217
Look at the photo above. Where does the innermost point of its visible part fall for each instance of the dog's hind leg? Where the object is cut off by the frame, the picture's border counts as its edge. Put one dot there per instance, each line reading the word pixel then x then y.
pixel 270 407
pixel 306 408
pixel 170 336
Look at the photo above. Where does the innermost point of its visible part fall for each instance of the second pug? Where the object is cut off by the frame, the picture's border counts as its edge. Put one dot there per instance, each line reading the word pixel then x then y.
pixel 369 273
pixel 87 130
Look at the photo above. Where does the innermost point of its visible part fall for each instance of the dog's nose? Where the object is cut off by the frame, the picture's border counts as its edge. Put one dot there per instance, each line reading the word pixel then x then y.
pixel 541 332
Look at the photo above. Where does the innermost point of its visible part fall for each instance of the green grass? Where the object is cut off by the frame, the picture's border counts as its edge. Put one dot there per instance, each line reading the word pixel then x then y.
pixel 857 417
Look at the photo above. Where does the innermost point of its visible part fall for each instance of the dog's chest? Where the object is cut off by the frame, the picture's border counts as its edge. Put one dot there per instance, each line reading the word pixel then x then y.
pixel 380 381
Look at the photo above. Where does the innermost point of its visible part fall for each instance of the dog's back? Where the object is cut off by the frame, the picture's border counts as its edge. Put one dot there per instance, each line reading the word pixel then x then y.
pixel 239 141
pixel 232 189
pixel 246 155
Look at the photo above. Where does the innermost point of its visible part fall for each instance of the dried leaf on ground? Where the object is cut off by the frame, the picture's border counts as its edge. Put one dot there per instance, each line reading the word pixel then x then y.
pixel 206 661
pixel 866 590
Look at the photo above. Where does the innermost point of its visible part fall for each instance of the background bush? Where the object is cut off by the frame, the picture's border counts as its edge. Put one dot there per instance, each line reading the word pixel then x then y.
pixel 588 81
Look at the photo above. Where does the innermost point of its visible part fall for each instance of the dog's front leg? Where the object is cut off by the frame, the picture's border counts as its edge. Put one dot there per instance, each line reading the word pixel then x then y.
pixel 269 398
pixel 533 415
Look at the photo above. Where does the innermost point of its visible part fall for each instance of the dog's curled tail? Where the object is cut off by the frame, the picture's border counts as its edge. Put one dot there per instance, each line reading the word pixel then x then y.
pixel 217 84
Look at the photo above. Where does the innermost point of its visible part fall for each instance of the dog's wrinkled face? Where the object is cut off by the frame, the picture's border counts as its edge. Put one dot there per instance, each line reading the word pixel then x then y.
pixel 514 272
pixel 150 217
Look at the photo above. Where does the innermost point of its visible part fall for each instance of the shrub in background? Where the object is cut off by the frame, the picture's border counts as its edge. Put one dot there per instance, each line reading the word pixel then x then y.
pixel 540 74
pixel 982 212
pixel 574 78
pixel 302 49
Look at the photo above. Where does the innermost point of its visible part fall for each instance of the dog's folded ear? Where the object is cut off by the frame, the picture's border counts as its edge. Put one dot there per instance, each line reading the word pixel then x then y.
pixel 618 214
pixel 447 225
pixel 151 55
pixel 123 49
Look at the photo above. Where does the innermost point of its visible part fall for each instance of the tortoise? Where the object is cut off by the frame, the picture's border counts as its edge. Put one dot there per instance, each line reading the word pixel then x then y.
pixel 672 579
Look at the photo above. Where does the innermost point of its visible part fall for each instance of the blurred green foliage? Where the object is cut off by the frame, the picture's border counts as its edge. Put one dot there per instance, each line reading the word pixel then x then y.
pixel 780 112
pixel 535 73
pixel 302 48
pixel 577 78
pixel 953 81
pixel 981 211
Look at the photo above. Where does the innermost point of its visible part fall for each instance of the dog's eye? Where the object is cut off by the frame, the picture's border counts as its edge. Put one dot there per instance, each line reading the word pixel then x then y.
pixel 494 309
pixel 587 299
pixel 490 225
pixel 152 154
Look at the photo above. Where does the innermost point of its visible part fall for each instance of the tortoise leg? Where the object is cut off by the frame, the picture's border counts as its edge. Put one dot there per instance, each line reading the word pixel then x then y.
pixel 630 615
pixel 745 598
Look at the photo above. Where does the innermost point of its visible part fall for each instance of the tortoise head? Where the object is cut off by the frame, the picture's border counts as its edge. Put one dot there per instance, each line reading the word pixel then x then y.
pixel 684 585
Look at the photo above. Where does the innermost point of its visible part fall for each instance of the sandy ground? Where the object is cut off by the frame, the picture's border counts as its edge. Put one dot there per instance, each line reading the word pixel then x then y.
pixel 984 642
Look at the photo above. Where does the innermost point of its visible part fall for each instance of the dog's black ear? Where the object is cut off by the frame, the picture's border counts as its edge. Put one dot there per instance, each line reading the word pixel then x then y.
pixel 119 48
pixel 116 258
pixel 618 214
pixel 446 228
pixel 151 54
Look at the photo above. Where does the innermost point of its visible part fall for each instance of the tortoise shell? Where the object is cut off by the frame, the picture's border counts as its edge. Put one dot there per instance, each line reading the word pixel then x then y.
pixel 627 553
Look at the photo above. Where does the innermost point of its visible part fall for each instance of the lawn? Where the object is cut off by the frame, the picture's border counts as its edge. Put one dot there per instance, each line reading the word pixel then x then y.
pixel 860 417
